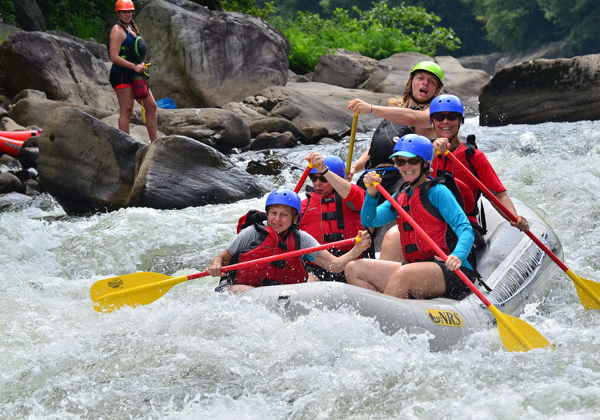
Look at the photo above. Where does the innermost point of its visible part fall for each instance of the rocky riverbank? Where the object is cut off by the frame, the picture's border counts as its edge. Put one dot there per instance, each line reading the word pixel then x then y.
pixel 228 74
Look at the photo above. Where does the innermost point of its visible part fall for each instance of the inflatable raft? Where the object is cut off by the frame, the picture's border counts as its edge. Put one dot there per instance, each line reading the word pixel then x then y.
pixel 514 267
pixel 20 135
pixel 10 146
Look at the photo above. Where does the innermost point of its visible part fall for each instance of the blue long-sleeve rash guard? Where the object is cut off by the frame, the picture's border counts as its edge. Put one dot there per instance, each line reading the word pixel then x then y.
pixel 442 199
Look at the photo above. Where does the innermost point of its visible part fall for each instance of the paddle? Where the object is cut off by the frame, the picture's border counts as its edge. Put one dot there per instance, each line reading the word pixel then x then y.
pixel 351 147
pixel 516 334
pixel 146 287
pixel 303 178
pixel 587 290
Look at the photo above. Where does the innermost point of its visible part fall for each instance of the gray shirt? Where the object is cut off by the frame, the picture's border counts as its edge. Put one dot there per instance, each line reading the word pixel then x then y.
pixel 249 234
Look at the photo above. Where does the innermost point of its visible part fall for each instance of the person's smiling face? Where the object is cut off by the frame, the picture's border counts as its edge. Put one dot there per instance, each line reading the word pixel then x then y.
pixel 410 168
pixel 446 124
pixel 280 217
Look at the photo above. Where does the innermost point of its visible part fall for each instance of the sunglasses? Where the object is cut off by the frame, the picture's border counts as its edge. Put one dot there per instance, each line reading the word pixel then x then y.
pixel 412 161
pixel 450 116
pixel 314 177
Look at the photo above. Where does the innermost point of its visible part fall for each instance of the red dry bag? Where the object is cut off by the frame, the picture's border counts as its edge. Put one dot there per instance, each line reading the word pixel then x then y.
pixel 140 87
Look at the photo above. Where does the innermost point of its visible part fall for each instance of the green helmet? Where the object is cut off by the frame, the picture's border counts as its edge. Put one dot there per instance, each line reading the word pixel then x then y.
pixel 430 67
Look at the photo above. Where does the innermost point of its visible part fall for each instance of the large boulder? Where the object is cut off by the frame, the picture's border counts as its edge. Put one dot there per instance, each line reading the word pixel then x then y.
pixel 86 165
pixel 337 98
pixel 67 69
pixel 314 118
pixel 344 68
pixel 207 58
pixel 36 111
pixel 176 172
pixel 219 128
pixel 542 91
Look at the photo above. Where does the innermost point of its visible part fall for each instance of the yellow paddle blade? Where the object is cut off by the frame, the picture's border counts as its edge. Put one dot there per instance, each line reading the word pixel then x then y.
pixel 588 291
pixel 516 334
pixel 131 290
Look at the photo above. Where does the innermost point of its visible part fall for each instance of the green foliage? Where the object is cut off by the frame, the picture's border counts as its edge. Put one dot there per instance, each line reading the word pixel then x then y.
pixel 250 8
pixel 514 25
pixel 81 18
pixel 376 33
pixel 7 11
pixel 576 21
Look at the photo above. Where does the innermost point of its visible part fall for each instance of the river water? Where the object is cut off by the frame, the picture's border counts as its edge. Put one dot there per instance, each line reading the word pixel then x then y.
pixel 195 354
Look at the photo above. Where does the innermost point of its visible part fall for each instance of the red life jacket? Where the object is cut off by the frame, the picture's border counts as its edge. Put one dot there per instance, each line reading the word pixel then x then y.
pixel 442 166
pixel 414 247
pixel 269 243
pixel 330 220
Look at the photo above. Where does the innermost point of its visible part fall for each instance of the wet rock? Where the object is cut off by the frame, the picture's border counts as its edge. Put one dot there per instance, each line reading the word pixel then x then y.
pixel 265 168
pixel 32 188
pixel 561 90
pixel 10 183
pixel 176 172
pixel 13 199
pixel 28 156
pixel 264 141
pixel 86 165
pixel 276 125
pixel 10 163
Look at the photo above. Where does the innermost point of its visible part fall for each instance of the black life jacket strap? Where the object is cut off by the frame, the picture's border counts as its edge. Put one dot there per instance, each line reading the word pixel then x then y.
pixel 333 237
pixel 269 282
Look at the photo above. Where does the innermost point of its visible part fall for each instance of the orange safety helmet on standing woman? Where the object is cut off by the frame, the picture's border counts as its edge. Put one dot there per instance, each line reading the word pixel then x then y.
pixel 124 5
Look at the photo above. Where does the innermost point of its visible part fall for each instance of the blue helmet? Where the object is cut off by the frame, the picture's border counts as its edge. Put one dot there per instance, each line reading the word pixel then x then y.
pixel 447 103
pixel 335 165
pixel 285 197
pixel 412 145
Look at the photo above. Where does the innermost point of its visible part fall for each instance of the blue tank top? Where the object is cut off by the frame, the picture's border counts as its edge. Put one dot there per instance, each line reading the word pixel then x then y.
pixel 129 41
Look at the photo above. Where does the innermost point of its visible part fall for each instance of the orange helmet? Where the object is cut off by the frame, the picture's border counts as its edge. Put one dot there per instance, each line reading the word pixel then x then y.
pixel 124 5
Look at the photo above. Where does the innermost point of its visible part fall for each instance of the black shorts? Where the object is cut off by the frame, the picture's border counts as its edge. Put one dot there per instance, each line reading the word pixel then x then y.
pixel 455 288
pixel 120 80
pixel 324 275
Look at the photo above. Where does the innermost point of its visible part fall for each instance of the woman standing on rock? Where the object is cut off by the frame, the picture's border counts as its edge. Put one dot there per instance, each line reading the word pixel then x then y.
pixel 127 52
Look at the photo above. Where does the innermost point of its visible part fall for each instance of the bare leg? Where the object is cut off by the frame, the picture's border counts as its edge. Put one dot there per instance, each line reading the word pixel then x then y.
pixel 238 288
pixel 151 120
pixel 391 248
pixel 370 274
pixel 125 98
pixel 423 280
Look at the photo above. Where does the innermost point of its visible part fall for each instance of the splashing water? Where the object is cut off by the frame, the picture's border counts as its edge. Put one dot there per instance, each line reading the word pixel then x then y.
pixel 196 354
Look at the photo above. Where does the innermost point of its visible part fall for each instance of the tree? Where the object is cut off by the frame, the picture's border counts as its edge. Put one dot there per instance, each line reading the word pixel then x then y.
pixel 514 25
pixel 576 21
pixel 376 33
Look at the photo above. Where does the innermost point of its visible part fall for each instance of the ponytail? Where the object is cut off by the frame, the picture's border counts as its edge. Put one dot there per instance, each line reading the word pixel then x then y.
pixel 134 27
